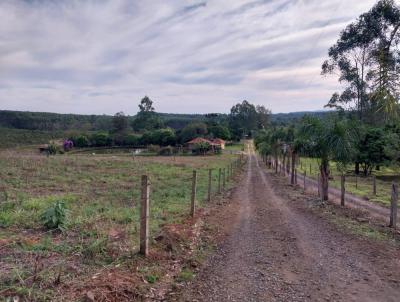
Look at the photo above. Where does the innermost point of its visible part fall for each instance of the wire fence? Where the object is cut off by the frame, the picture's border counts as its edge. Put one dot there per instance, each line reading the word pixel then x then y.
pixel 313 182
pixel 203 185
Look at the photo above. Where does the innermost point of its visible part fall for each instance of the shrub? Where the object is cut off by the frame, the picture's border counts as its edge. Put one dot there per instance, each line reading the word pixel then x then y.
pixel 101 139
pixel 80 141
pixel 68 145
pixel 52 149
pixel 201 148
pixel 55 216
pixel 132 140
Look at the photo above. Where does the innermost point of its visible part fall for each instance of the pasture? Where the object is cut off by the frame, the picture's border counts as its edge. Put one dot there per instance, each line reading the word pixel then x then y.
pixel 102 195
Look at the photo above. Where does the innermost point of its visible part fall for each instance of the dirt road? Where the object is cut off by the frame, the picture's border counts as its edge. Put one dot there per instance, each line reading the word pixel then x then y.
pixel 279 250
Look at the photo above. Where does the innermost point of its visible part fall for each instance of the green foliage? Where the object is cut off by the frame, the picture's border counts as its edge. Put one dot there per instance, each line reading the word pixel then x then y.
pixel 329 139
pixel 245 118
pixel 100 139
pixel 185 275
pixel 146 119
pixel 220 131
pixel 80 141
pixel 17 137
pixel 54 122
pixel 367 59
pixel 201 148
pixel 192 131
pixel 55 216
pixel 371 149
pixel 131 140
pixel 152 278
pixel 120 122
pixel 53 149
pixel 95 248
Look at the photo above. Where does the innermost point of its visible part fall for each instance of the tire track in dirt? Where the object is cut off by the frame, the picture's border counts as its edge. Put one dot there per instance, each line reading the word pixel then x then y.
pixel 279 251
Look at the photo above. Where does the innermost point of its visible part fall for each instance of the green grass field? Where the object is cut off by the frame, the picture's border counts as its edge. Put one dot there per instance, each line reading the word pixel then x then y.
pixel 235 147
pixel 18 137
pixel 360 186
pixel 102 194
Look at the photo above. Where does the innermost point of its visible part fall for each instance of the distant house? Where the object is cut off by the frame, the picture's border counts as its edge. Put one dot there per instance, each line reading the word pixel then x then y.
pixel 219 142
pixel 215 145
pixel 192 145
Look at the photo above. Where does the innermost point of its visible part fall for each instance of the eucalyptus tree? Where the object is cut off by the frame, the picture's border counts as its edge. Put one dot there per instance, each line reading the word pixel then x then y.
pixel 366 58
pixel 327 140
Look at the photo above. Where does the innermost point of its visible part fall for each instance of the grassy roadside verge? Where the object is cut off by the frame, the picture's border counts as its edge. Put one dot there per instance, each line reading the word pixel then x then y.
pixel 360 186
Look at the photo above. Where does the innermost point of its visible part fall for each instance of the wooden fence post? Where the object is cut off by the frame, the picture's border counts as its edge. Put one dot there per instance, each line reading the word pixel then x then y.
pixel 209 185
pixel 227 174
pixel 144 216
pixel 356 181
pixel 295 176
pixel 219 180
pixel 393 206
pixel 319 186
pixel 310 169
pixel 374 185
pixel 304 179
pixel 193 200
pixel 342 189
pixel 223 180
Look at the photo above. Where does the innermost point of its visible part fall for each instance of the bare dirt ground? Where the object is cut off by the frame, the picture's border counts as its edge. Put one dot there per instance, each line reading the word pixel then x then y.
pixel 278 249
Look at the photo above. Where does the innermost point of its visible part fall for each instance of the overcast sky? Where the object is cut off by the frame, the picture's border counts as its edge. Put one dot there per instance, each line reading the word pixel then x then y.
pixel 103 56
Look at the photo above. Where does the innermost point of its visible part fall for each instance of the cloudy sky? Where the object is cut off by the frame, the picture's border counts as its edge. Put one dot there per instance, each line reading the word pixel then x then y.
pixel 103 56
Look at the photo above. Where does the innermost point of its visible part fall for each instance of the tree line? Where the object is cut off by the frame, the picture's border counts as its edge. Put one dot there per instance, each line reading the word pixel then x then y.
pixel 147 128
pixel 364 131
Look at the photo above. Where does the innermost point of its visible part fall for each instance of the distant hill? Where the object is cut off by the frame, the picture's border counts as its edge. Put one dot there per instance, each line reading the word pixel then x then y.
pixel 293 117
pixel 45 121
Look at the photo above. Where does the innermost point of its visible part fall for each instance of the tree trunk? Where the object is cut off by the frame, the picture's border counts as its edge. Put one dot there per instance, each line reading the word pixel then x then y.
pixel 357 168
pixel 292 178
pixel 284 163
pixel 343 189
pixel 324 179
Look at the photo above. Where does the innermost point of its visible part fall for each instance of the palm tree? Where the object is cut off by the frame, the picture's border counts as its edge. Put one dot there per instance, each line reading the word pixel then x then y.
pixel 327 140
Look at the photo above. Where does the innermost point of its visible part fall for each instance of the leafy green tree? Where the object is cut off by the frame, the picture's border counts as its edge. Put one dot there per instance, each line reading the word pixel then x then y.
pixel 201 148
pixel 367 58
pixel 245 118
pixel 219 131
pixel 120 122
pixel 263 117
pixel 163 137
pixel 147 118
pixel 100 139
pixel 327 140
pixel 192 131
pixel 80 141
pixel 131 140
pixel 242 119
pixel 371 149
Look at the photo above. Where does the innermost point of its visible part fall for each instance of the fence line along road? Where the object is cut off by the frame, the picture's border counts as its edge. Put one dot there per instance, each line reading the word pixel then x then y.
pixel 145 198
pixel 375 209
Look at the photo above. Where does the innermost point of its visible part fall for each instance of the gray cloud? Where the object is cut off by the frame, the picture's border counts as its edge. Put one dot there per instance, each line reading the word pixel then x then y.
pixel 91 56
